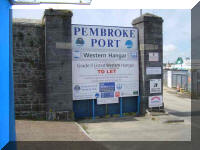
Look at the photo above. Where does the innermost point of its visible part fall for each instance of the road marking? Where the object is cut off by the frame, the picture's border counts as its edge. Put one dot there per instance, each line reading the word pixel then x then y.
pixel 84 131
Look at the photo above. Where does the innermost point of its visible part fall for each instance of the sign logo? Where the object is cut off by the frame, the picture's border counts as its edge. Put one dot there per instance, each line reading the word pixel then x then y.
pixel 155 98
pixel 117 94
pixel 77 88
pixel 80 42
pixel 76 54
pixel 135 92
pixel 107 94
pixel 155 85
pixel 119 86
pixel 134 55
pixel 155 101
pixel 97 95
pixel 129 44
pixel 107 87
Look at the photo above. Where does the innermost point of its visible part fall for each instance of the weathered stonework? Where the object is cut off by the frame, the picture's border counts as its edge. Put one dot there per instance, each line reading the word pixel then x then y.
pixel 150 40
pixel 28 69
pixel 58 59
pixel 42 63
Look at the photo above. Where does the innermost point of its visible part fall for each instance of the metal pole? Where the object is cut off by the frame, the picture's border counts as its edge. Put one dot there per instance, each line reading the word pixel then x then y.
pixel 93 110
pixel 138 105
pixel 140 12
pixel 121 114
pixel 106 109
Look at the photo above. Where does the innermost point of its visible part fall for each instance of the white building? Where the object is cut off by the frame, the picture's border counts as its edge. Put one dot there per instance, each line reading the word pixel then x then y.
pixel 182 64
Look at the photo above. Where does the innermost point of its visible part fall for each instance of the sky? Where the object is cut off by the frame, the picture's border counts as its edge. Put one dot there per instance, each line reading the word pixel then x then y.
pixel 176 25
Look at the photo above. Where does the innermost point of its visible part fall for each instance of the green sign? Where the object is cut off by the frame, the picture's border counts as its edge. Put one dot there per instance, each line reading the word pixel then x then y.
pixel 179 60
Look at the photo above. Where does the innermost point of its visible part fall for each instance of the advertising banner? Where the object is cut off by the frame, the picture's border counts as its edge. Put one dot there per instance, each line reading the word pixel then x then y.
pixel 155 86
pixel 153 70
pixel 104 62
pixel 153 56
pixel 155 101
pixel 107 100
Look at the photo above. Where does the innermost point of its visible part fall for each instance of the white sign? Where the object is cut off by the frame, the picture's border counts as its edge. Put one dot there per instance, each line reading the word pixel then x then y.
pixel 107 38
pixel 155 86
pixel 51 1
pixel 107 100
pixel 153 70
pixel 155 101
pixel 104 62
pixel 153 56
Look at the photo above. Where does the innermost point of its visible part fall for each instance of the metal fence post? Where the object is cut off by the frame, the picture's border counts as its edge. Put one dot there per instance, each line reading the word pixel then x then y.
pixel 138 105
pixel 93 109
pixel 121 114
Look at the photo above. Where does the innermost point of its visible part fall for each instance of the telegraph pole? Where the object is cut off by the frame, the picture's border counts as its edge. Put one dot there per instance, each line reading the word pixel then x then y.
pixel 140 12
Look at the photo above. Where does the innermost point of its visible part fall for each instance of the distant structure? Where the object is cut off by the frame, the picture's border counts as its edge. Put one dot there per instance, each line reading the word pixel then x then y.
pixel 180 64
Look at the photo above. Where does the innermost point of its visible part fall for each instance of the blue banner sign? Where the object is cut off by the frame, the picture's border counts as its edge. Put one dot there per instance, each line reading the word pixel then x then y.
pixel 107 94
pixel 107 87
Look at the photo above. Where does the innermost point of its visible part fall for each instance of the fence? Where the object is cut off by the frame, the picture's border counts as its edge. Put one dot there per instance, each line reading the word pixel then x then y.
pixel 84 108
pixel 195 83
pixel 175 78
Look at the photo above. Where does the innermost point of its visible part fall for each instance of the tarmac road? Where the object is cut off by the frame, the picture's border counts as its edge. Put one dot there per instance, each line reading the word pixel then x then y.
pixel 27 130
pixel 148 128
pixel 131 131
pixel 196 120
pixel 178 105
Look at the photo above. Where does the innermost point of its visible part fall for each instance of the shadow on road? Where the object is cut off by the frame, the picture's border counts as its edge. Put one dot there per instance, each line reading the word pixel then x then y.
pixel 183 114
pixel 178 113
pixel 110 119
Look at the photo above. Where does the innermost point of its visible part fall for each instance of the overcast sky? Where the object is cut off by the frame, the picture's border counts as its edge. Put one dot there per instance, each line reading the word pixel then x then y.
pixel 176 25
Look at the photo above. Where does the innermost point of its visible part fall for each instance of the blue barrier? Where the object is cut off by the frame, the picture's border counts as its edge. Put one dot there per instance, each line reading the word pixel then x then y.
pixel 89 108
pixel 121 109
pixel 7 123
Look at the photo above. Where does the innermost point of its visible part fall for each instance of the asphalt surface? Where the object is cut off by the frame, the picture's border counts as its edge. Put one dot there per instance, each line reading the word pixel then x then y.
pixel 178 105
pixel 131 131
pixel 152 127
pixel 27 130
pixel 196 120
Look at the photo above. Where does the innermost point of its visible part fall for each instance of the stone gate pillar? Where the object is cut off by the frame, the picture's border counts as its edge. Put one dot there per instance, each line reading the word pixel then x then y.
pixel 151 55
pixel 58 62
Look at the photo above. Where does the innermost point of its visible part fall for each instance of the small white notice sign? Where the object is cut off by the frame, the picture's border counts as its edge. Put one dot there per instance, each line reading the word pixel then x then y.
pixel 155 101
pixel 153 56
pixel 107 100
pixel 153 70
pixel 155 86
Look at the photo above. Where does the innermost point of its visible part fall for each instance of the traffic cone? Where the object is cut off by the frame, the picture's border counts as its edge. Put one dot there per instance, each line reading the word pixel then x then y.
pixel 178 88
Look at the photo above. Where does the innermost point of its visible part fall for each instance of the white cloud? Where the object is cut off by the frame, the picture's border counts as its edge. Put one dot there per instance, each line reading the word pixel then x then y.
pixel 176 25
pixel 169 48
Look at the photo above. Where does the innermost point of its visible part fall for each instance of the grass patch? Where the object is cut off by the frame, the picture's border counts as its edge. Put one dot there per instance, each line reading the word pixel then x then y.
pixel 130 114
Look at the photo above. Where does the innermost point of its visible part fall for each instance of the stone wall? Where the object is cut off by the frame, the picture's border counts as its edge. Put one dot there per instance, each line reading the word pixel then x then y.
pixel 58 60
pixel 42 62
pixel 150 41
pixel 42 65
pixel 29 69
